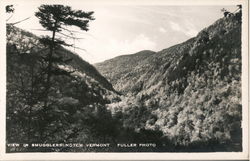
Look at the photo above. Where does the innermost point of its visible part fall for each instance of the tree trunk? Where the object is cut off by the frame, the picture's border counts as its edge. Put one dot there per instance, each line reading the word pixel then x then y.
pixel 47 85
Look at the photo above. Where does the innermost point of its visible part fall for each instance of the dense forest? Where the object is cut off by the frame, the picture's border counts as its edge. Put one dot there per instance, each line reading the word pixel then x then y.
pixel 183 98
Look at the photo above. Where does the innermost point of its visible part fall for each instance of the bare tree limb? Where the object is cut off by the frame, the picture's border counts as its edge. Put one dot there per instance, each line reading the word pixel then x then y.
pixel 14 23
pixel 9 17
pixel 73 31
pixel 71 36
pixel 80 48
pixel 40 30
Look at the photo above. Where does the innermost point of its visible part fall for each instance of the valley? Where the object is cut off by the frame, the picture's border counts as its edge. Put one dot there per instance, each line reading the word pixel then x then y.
pixel 186 98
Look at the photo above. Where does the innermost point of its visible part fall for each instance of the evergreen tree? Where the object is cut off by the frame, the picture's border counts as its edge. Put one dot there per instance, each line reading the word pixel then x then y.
pixel 9 9
pixel 56 18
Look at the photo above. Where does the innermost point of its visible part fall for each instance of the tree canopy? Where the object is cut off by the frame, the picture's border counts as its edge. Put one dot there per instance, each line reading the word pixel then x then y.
pixel 54 17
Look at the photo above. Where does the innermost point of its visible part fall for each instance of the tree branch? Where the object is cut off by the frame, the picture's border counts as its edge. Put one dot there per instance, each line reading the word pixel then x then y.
pixel 9 17
pixel 70 36
pixel 14 23
pixel 80 48
pixel 73 31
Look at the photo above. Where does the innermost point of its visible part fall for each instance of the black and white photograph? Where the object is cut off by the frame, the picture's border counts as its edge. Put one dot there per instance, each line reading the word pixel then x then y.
pixel 124 78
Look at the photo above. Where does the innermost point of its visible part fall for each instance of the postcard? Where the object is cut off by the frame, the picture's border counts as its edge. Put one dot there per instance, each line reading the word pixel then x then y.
pixel 124 80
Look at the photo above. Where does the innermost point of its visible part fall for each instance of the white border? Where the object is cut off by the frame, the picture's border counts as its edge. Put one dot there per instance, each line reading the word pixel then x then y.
pixel 131 156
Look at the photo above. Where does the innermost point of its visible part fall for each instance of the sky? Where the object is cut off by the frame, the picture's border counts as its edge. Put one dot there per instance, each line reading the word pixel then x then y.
pixel 127 29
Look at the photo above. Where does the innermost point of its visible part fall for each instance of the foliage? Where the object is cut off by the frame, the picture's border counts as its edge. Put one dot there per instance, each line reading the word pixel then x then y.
pixel 9 9
pixel 193 97
pixel 76 95
pixel 184 98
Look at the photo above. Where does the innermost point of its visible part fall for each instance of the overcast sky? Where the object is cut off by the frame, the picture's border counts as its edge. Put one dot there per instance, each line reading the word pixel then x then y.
pixel 120 30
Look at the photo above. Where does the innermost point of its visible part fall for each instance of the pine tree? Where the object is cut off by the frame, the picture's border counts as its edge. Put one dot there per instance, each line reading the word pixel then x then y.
pixel 56 18
pixel 9 9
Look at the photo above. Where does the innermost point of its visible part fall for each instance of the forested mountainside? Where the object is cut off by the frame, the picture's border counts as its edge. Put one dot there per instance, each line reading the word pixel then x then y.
pixel 23 42
pixel 74 110
pixel 190 92
pixel 183 98
pixel 118 70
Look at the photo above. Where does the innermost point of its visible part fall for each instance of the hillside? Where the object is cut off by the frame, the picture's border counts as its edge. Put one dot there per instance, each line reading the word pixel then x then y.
pixel 191 92
pixel 26 42
pixel 120 68
pixel 74 109
pixel 186 98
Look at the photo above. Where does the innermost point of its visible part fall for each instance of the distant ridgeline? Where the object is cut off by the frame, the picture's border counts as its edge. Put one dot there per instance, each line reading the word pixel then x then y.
pixel 184 98
pixel 191 92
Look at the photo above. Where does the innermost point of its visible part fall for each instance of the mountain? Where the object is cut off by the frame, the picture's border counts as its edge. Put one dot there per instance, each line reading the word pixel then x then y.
pixel 191 92
pixel 71 110
pixel 186 98
pixel 26 42
pixel 120 68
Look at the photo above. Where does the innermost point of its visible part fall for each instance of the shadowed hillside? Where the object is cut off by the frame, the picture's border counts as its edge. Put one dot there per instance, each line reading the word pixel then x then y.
pixel 23 42
pixel 75 110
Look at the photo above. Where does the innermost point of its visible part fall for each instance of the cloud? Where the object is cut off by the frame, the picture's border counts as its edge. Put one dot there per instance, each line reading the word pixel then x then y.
pixel 162 30
pixel 140 42
pixel 191 29
pixel 191 32
pixel 187 28
pixel 99 50
pixel 175 26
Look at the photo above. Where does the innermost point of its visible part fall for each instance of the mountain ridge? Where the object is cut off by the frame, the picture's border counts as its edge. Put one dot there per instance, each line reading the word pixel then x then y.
pixel 182 90
pixel 122 61
pixel 77 62
pixel 183 98
pixel 75 100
